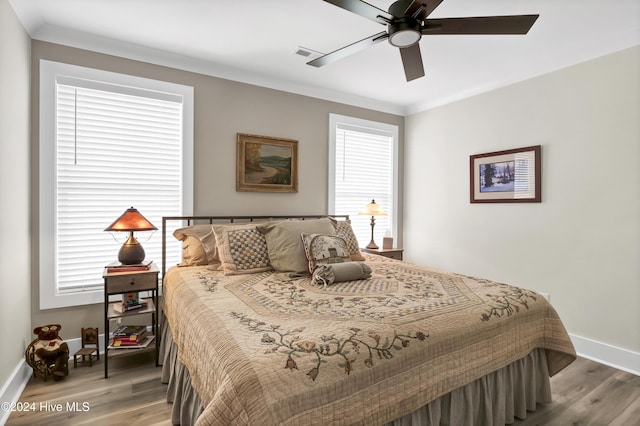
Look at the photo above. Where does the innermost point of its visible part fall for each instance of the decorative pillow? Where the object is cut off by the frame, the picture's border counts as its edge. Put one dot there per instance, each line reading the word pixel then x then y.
pixel 198 245
pixel 242 249
pixel 344 229
pixel 286 251
pixel 192 252
pixel 324 249
pixel 330 273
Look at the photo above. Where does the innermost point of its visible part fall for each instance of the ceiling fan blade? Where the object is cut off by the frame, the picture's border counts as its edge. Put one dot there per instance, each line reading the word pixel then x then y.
pixel 412 62
pixel 349 50
pixel 518 24
pixel 422 8
pixel 363 9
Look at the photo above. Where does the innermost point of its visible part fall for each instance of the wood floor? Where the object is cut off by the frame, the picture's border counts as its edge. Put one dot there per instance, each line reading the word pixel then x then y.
pixel 584 393
pixel 132 395
pixel 587 393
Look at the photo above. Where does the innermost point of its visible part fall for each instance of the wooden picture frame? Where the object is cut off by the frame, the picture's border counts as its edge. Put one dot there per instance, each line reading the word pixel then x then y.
pixel 266 164
pixel 514 176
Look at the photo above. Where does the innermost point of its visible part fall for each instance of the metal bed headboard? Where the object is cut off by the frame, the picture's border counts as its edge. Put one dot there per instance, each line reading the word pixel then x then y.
pixel 193 220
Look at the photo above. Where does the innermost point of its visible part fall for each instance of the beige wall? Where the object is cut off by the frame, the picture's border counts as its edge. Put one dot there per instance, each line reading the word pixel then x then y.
pixel 222 109
pixel 581 245
pixel 15 290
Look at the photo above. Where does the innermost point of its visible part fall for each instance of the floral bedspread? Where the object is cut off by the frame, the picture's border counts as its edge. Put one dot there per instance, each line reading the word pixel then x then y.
pixel 267 349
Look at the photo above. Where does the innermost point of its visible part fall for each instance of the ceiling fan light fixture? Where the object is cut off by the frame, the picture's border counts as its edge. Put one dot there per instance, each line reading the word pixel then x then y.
pixel 404 38
pixel 404 34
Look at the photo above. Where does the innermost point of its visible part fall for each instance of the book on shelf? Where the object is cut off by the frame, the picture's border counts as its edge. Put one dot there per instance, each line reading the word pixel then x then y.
pixel 130 301
pixel 130 298
pixel 121 308
pixel 119 267
pixel 118 344
pixel 132 340
pixel 129 330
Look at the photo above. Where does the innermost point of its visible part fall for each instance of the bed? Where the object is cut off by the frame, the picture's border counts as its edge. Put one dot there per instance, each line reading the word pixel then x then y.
pixel 251 337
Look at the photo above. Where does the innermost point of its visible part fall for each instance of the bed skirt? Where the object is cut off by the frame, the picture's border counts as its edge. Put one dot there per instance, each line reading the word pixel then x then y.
pixel 495 399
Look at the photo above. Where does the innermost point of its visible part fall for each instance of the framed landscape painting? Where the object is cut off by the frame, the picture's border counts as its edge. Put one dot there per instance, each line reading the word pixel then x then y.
pixel 266 164
pixel 511 176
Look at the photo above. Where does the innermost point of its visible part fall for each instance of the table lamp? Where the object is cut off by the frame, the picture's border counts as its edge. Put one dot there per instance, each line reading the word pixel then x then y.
pixel 131 220
pixel 372 209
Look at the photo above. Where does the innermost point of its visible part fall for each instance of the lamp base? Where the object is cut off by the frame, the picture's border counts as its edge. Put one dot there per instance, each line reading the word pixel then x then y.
pixel 131 252
pixel 372 244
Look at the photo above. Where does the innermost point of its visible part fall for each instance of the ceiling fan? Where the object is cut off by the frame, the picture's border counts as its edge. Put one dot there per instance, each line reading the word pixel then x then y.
pixel 407 22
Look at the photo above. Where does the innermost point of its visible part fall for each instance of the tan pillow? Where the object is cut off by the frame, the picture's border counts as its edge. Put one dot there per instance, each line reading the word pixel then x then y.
pixel 192 252
pixel 324 249
pixel 286 251
pixel 344 229
pixel 242 249
pixel 198 245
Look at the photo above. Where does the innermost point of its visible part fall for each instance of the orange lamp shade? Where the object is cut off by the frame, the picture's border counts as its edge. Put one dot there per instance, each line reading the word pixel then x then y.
pixel 131 252
pixel 131 220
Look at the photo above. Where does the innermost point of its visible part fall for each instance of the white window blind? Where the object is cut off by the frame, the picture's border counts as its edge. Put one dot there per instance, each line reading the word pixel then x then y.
pixel 107 142
pixel 113 150
pixel 363 168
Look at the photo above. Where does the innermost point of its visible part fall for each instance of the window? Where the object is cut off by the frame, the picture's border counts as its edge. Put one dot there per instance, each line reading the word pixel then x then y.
pixel 107 142
pixel 363 158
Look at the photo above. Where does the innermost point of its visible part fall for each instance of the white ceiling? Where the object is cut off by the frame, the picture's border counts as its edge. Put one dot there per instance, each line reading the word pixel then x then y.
pixel 254 41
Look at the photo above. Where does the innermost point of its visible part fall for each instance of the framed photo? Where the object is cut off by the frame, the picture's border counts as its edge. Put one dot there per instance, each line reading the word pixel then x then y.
pixel 511 176
pixel 266 164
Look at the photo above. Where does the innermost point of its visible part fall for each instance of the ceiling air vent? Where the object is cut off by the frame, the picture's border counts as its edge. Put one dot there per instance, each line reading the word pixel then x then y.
pixel 302 52
pixel 310 54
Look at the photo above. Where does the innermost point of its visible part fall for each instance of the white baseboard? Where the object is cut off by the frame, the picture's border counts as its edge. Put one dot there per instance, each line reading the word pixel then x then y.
pixel 12 389
pixel 622 359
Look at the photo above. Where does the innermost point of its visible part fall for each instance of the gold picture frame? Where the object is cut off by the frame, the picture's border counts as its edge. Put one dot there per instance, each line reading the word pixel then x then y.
pixel 266 164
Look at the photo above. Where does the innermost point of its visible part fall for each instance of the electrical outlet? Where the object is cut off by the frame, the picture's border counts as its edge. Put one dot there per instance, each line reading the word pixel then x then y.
pixel 546 296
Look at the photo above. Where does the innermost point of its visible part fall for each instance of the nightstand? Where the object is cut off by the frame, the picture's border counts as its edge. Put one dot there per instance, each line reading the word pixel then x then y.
pixel 125 282
pixel 393 253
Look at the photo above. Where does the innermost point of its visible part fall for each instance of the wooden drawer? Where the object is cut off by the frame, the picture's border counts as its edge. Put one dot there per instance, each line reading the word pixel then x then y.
pixel 394 253
pixel 130 282
pixel 397 254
